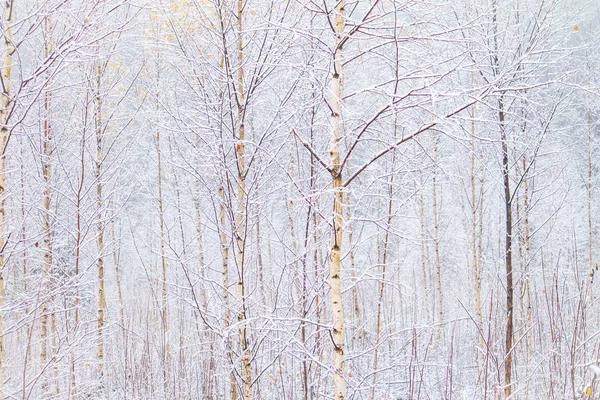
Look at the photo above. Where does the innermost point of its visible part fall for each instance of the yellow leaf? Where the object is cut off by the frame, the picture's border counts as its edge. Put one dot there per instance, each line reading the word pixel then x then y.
pixel 576 28
pixel 588 391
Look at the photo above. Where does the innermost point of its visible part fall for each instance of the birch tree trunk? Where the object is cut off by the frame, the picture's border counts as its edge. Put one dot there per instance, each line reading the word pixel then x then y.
pixel 46 218
pixel 436 243
pixel 99 227
pixel 225 265
pixel 423 247
pixel 240 222
pixel 339 383
pixel 475 204
pixel 78 242
pixel 224 242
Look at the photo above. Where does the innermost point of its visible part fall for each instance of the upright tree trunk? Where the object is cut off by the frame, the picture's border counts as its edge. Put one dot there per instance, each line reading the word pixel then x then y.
pixel 4 113
pixel 305 306
pixel 339 382
pixel 423 247
pixel 384 260
pixel 590 170
pixel 78 242
pixel 99 227
pixel 225 265
pixel 47 128
pixel 46 218
pixel 436 243
pixel 260 263
pixel 207 376
pixel 525 259
pixel 201 263
pixel 508 342
pixel 240 222
pixel 163 267
pixel 355 301
pixel 317 263
pixel 116 251
pixel 508 255
pixel 223 237
pixel 475 204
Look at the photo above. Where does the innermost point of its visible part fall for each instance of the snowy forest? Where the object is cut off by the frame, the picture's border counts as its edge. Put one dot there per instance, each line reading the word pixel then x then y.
pixel 300 199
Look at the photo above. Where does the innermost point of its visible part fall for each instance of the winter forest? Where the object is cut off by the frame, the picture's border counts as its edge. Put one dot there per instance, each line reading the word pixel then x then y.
pixel 300 199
